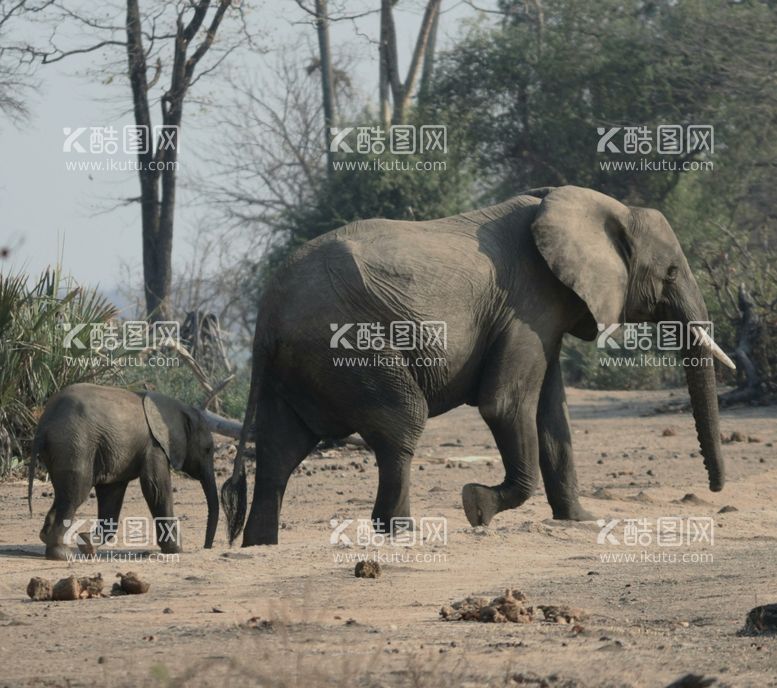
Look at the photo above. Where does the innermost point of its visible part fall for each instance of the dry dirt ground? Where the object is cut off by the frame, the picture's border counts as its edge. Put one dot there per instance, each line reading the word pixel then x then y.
pixel 295 615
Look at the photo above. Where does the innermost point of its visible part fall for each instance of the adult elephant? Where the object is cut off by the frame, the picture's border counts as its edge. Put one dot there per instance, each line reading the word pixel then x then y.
pixel 92 435
pixel 509 281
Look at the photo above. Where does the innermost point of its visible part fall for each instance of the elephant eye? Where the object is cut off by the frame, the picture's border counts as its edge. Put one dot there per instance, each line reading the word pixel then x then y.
pixel 671 273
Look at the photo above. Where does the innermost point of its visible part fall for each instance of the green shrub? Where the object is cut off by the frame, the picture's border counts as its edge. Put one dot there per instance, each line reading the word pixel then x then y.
pixel 584 365
pixel 180 383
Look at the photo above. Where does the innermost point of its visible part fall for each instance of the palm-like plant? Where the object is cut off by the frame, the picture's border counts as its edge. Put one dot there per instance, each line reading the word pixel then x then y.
pixel 34 362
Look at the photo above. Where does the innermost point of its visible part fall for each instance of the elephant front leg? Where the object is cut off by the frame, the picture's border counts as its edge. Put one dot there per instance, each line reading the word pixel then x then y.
pixel 156 484
pixel 516 438
pixel 555 444
pixel 508 403
pixel 109 502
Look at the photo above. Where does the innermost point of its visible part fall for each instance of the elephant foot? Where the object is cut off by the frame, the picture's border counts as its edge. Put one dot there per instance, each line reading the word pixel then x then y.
pixel 257 540
pixel 57 552
pixel 399 521
pixel 573 512
pixel 265 532
pixel 481 503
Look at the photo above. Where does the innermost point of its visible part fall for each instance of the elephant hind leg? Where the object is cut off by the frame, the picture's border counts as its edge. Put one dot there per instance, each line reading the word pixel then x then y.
pixel 394 445
pixel 48 523
pixel 71 489
pixel 283 441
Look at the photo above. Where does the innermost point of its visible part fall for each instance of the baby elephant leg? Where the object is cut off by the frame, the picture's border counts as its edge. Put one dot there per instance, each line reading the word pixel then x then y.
pixel 109 502
pixel 71 489
pixel 156 483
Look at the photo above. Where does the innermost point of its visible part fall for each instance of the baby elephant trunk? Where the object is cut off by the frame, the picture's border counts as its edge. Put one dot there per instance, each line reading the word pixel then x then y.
pixel 208 482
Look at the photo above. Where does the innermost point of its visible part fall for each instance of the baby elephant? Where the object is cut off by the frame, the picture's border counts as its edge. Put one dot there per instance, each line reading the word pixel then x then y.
pixel 105 436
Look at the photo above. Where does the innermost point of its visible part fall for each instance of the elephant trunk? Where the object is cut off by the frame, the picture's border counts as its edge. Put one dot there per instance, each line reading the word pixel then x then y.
pixel 704 401
pixel 208 482
pixel 700 376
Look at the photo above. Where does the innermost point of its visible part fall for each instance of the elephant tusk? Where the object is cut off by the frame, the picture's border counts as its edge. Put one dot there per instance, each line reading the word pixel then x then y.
pixel 717 352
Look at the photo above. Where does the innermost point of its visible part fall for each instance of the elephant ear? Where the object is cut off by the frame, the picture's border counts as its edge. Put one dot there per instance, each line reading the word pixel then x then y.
pixel 163 423
pixel 581 234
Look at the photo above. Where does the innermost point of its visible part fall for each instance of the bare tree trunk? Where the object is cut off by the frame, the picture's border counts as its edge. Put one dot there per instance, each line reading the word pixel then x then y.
pixel 389 67
pixel 401 92
pixel 327 79
pixel 427 73
pixel 384 92
pixel 158 204
pixel 153 262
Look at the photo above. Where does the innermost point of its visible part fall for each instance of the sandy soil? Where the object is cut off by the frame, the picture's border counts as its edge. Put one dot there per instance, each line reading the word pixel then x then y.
pixel 295 615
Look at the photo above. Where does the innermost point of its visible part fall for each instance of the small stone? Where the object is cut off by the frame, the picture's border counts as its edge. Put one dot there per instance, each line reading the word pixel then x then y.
pixel 761 620
pixel 727 509
pixel 131 584
pixel 691 498
pixel 91 586
pixel 167 610
pixel 562 614
pixel 367 569
pixel 491 615
pixel 668 432
pixel 39 589
pixel 66 589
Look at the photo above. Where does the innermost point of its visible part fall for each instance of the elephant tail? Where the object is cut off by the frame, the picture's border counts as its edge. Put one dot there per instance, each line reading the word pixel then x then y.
pixel 234 499
pixel 37 445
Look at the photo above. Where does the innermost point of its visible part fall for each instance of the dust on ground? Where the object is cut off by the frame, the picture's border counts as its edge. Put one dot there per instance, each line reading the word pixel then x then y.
pixel 296 615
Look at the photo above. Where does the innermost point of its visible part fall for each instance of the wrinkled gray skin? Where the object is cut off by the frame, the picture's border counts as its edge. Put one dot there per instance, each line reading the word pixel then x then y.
pixel 510 280
pixel 90 435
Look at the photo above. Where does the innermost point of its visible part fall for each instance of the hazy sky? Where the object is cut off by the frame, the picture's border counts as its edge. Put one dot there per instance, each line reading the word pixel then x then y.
pixel 48 210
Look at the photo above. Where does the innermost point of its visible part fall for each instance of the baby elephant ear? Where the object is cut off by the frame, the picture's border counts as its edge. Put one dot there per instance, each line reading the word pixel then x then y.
pixel 160 429
pixel 581 234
